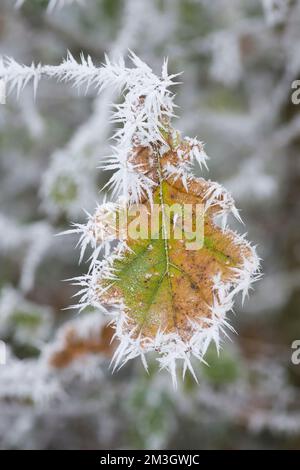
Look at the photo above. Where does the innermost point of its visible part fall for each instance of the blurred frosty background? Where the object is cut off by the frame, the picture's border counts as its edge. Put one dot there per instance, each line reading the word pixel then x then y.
pixel 239 60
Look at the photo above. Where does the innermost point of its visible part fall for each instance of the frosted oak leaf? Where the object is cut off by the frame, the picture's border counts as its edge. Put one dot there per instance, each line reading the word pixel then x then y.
pixel 161 297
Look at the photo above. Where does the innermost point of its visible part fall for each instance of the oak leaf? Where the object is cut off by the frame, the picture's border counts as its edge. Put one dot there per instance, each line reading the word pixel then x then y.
pixel 167 298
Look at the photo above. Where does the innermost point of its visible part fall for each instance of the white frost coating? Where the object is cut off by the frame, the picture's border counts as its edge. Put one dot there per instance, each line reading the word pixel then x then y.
pixel 127 180
pixel 189 151
pixel 219 197
pixel 196 151
pixel 99 231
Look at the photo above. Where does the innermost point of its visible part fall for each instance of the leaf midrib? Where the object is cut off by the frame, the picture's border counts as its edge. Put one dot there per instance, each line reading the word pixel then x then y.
pixel 219 256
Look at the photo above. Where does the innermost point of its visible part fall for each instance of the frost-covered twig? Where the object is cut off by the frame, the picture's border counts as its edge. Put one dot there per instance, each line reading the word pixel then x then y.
pixel 144 93
pixel 85 73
